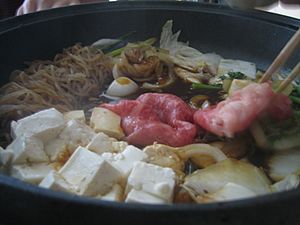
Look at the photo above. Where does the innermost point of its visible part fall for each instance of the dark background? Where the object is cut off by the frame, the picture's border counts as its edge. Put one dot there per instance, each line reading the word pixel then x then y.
pixel 8 7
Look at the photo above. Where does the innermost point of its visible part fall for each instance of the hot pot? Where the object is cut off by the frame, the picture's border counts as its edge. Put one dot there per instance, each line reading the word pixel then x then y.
pixel 248 35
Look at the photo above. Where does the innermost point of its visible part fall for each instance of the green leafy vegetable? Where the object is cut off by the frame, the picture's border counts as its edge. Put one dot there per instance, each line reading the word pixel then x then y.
pixel 234 75
pixel 118 51
pixel 295 99
pixel 237 75
pixel 197 86
pixel 108 45
pixel 297 114
pixel 121 39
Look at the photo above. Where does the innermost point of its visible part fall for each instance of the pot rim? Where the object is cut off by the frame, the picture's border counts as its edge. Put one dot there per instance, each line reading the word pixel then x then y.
pixel 34 190
pixel 9 24
pixel 12 23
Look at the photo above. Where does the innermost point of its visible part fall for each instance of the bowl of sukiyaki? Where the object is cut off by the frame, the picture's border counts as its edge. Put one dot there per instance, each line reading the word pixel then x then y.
pixel 148 112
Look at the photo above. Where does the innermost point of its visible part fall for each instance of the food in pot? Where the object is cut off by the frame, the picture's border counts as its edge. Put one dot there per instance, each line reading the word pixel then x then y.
pixel 150 124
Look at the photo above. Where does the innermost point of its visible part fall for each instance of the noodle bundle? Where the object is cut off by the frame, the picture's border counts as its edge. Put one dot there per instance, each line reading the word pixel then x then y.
pixel 67 83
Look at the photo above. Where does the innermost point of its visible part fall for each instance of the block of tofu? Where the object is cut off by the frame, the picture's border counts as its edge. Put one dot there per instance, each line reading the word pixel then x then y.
pixel 34 173
pixel 57 150
pixel 119 146
pixel 28 149
pixel 101 143
pixel 55 182
pixel 76 134
pixel 152 179
pixel 116 194
pixel 237 84
pixel 44 125
pixel 229 65
pixel 136 196
pixel 89 174
pixel 106 121
pixel 125 160
pixel 75 115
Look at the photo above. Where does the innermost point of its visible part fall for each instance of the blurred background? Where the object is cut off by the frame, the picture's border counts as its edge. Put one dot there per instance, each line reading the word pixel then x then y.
pixel 8 7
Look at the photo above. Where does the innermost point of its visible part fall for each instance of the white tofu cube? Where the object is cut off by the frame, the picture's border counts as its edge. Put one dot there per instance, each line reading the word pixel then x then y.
pixel 237 84
pixel 119 146
pixel 55 182
pixel 155 180
pixel 136 196
pixel 57 150
pixel 229 65
pixel 106 121
pixel 116 194
pixel 76 134
pixel 101 143
pixel 28 149
pixel 75 115
pixel 31 173
pixel 125 160
pixel 44 125
pixel 89 174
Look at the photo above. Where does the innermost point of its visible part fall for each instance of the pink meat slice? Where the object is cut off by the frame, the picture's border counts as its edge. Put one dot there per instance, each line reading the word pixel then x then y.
pixel 152 117
pixel 237 112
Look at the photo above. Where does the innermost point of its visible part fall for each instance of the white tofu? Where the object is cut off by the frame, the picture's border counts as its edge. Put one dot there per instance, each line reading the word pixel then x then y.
pixel 55 182
pixel 237 84
pixel 125 160
pixel 57 150
pixel 109 157
pixel 116 194
pixel 76 134
pixel 28 149
pixel 135 196
pixel 101 143
pixel 229 65
pixel 106 121
pixel 89 174
pixel 44 125
pixel 155 180
pixel 75 115
pixel 119 146
pixel 34 173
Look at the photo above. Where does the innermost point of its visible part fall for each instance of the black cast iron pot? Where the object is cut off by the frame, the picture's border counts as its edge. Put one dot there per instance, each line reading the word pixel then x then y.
pixel 252 36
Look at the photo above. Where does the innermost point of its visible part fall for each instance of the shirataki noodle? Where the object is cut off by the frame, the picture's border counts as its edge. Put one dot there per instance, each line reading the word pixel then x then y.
pixel 66 83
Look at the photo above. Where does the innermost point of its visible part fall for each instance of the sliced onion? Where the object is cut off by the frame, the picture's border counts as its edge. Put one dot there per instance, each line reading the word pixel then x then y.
pixel 214 177
pixel 212 61
pixel 171 79
pixel 290 182
pixel 188 76
pixel 165 156
pixel 115 71
pixel 284 163
pixel 228 192
pixel 105 43
pixel 202 155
